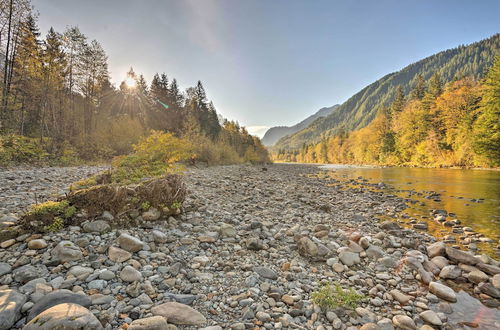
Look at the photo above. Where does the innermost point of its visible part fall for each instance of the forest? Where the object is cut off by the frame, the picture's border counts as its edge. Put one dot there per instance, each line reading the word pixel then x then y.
pixel 435 125
pixel 360 109
pixel 57 103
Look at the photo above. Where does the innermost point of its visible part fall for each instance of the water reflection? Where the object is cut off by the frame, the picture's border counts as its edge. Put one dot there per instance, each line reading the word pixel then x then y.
pixel 472 195
pixel 468 312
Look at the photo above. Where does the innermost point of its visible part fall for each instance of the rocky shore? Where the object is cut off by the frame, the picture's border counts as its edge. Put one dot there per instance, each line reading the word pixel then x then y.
pixel 248 252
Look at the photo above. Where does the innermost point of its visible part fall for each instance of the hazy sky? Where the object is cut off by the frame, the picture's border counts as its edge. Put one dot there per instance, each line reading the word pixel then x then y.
pixel 272 62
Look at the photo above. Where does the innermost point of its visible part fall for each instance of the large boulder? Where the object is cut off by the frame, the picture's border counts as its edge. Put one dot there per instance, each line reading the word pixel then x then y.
pixel 64 317
pixel 57 298
pixel 11 302
pixel 180 314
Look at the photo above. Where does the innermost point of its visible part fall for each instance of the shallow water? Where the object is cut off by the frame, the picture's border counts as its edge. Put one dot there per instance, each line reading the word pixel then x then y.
pixel 468 310
pixel 472 195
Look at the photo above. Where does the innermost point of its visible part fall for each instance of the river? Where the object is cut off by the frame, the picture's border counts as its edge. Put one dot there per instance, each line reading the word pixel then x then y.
pixel 471 196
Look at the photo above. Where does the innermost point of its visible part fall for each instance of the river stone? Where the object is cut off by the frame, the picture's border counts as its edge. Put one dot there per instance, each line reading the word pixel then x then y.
pixel 477 276
pixel 149 323
pixel 5 268
pixel 374 252
pixel 130 274
pixel 431 317
pixel 488 269
pixel 385 324
pixel 460 256
pixel 451 272
pixel 389 225
pixel 400 297
pixel 496 281
pixel 266 272
pixel 186 299
pixel 177 313
pixel 440 261
pixel 159 236
pixel 81 272
pixel 118 255
pixel 26 273
pixel 349 258
pixel 307 248
pixel 404 322
pixel 227 230
pixel 55 298
pixel 443 291
pixel 66 251
pixel 97 226
pixel 354 247
pixel 130 243
pixel 436 249
pixel 11 303
pixel 369 326
pixel 489 289
pixel 64 316
pixel 37 244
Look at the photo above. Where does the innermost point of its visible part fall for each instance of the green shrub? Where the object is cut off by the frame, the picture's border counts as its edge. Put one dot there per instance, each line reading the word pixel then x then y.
pixel 56 225
pixel 155 155
pixel 330 296
pixel 20 149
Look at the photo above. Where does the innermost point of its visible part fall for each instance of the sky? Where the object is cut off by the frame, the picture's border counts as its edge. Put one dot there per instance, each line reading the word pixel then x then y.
pixel 266 63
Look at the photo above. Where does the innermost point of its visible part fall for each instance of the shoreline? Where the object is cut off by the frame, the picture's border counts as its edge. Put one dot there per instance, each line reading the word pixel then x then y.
pixel 249 251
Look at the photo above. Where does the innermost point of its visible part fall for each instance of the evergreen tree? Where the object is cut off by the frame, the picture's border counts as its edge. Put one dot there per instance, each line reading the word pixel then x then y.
pixel 419 89
pixel 399 101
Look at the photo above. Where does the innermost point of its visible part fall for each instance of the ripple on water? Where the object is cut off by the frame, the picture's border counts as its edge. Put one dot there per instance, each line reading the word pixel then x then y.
pixel 470 310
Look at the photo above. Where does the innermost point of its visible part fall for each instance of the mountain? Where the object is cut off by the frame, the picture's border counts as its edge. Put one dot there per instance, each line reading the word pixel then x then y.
pixel 275 133
pixel 361 108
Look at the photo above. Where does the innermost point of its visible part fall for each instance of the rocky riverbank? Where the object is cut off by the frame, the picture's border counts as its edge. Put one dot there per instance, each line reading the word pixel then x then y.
pixel 248 253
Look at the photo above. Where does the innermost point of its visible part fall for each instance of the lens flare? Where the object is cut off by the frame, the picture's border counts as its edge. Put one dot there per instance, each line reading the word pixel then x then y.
pixel 130 82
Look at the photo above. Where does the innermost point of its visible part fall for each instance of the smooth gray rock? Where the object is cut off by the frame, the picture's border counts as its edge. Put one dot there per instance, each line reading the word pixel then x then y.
pixel 130 274
pixel 55 298
pixel 97 226
pixel 130 243
pixel 179 314
pixel 5 268
pixel 11 303
pixel 266 272
pixel 443 291
pixel 66 251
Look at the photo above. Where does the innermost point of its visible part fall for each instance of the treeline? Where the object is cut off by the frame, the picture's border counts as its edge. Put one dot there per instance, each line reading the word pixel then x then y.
pixel 57 101
pixel 360 109
pixel 435 125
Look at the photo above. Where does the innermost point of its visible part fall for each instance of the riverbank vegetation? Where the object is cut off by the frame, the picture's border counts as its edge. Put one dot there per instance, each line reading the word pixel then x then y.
pixel 438 126
pixel 57 104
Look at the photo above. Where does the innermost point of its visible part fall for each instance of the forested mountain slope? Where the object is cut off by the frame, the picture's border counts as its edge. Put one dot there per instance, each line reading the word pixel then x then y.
pixel 275 133
pixel 361 108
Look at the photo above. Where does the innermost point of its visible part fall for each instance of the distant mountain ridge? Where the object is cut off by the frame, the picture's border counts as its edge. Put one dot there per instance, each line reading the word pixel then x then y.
pixel 359 110
pixel 275 133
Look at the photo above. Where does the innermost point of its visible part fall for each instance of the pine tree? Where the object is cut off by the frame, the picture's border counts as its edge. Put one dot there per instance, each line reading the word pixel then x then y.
pixel 419 89
pixel 399 101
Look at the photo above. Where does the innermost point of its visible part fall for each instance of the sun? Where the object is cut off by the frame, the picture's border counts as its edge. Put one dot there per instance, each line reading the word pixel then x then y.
pixel 130 82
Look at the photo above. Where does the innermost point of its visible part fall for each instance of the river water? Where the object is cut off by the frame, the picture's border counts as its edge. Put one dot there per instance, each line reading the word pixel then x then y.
pixel 472 196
